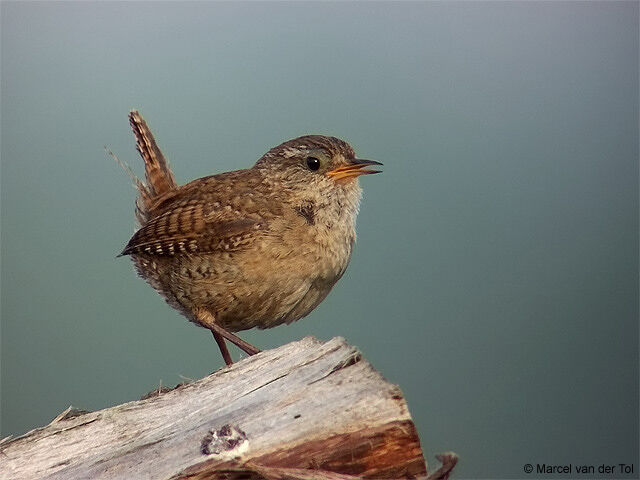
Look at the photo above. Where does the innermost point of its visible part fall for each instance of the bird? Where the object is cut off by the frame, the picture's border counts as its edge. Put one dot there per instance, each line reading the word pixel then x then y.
pixel 255 247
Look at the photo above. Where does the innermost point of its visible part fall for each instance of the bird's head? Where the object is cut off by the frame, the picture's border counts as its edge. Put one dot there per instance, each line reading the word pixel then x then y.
pixel 316 161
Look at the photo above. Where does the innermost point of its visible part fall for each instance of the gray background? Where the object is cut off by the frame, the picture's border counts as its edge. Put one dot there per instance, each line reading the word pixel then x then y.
pixel 495 276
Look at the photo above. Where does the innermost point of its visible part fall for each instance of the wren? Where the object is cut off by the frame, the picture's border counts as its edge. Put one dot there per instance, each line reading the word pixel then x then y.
pixel 257 247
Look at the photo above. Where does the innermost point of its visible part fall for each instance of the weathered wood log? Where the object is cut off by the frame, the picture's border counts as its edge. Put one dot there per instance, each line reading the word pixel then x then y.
pixel 307 410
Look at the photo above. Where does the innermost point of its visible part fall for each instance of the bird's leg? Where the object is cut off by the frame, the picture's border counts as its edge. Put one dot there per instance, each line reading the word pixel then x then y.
pixel 223 348
pixel 207 320
pixel 236 340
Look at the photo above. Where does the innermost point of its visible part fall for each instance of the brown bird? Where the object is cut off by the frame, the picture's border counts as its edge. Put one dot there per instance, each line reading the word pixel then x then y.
pixel 250 248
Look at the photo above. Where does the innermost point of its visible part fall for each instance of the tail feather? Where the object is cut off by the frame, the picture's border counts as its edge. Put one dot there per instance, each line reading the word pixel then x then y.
pixel 158 174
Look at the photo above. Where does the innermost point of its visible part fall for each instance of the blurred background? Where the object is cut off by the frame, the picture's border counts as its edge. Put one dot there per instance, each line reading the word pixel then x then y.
pixel 495 277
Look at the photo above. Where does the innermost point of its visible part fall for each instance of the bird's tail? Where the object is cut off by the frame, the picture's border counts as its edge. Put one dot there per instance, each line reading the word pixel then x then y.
pixel 158 174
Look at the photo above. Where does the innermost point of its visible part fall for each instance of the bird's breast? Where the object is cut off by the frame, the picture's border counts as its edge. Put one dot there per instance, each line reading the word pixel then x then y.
pixel 322 243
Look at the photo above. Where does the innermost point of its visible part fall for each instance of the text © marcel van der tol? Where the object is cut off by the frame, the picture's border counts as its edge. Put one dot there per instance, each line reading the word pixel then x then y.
pixel 624 468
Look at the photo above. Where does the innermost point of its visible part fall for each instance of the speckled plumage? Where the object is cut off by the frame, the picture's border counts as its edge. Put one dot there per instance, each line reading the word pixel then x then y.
pixel 250 248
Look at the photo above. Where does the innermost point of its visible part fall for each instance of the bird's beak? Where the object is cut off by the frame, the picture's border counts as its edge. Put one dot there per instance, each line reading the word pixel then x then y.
pixel 353 169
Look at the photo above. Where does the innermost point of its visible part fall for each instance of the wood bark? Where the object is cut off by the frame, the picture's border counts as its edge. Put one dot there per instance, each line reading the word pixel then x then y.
pixel 307 410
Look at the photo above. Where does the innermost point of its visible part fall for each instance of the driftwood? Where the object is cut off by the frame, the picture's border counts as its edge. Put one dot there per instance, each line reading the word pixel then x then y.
pixel 307 410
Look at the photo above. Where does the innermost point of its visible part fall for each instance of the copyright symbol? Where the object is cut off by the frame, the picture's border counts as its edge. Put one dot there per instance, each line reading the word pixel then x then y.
pixel 528 468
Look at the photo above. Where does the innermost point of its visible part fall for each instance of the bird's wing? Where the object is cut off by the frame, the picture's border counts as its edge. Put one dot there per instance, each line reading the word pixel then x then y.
pixel 193 227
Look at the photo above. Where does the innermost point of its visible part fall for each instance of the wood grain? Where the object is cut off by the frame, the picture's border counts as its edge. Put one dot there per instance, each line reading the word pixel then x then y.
pixel 309 406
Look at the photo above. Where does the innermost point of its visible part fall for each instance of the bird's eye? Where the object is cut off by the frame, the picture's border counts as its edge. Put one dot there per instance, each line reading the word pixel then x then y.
pixel 313 163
